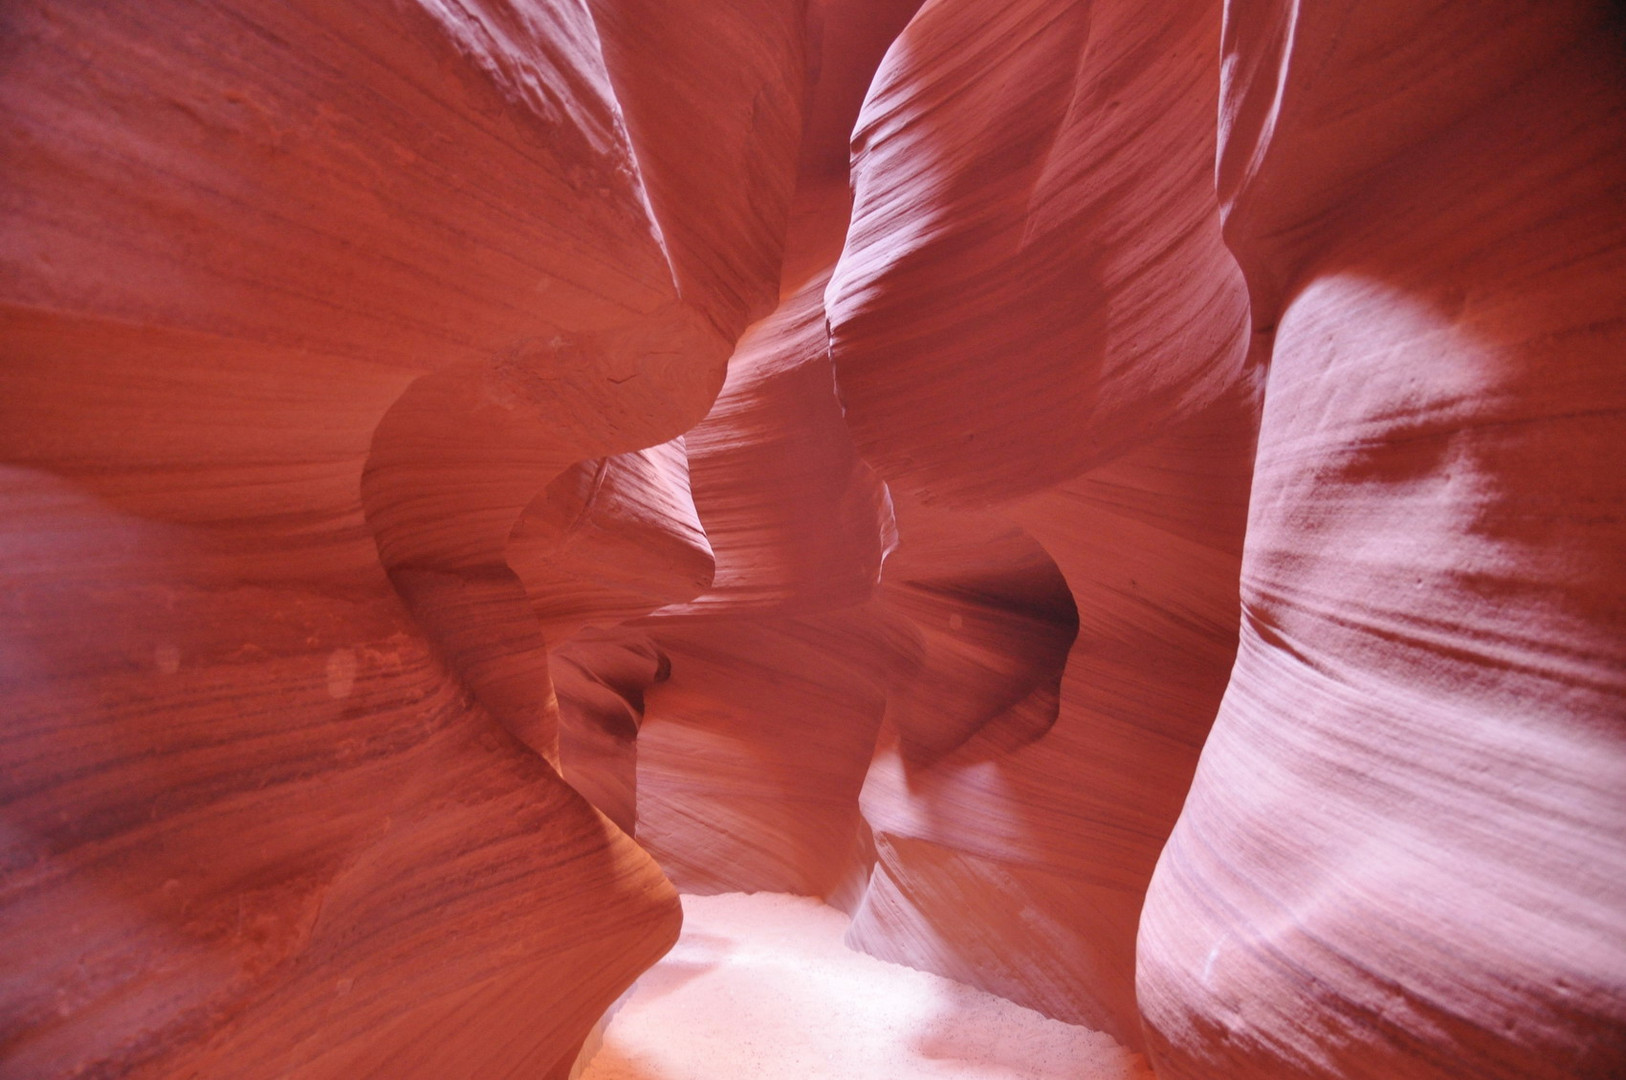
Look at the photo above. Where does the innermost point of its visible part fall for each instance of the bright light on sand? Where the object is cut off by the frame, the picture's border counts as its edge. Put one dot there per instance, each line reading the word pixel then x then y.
pixel 760 987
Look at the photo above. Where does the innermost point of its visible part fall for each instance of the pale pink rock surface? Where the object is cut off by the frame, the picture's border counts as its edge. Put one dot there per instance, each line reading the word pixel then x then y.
pixel 1404 855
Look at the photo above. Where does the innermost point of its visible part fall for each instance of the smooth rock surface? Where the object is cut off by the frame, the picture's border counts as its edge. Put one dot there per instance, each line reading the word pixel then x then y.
pixel 1123 499
pixel 1035 324
pixel 1404 855
pixel 304 308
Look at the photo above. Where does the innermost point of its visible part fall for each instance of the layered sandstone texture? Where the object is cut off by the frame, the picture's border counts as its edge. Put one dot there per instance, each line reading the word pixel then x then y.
pixel 1404 853
pixel 1126 499
pixel 313 313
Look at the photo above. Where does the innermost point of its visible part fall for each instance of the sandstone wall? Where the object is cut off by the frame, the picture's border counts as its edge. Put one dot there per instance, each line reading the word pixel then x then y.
pixel 1123 498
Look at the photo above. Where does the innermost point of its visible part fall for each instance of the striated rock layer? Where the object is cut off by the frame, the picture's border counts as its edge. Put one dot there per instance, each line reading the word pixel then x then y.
pixel 757 739
pixel 1123 498
pixel 1035 322
pixel 305 308
pixel 1404 854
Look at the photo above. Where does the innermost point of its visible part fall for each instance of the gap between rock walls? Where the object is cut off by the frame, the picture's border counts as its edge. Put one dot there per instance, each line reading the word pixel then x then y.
pixel 1120 500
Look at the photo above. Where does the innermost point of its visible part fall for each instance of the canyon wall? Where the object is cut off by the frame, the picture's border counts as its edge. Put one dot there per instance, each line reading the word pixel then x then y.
pixel 1404 854
pixel 306 308
pixel 1123 498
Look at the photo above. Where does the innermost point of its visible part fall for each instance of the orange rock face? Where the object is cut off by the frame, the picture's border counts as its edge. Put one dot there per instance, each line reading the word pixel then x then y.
pixel 1123 498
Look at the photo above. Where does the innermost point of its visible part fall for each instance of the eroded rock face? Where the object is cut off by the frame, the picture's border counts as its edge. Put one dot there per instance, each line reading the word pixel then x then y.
pixel 1035 321
pixel 1402 855
pixel 305 306
pixel 468 469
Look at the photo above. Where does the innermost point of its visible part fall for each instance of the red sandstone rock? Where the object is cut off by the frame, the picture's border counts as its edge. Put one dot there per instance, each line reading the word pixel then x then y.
pixel 292 291
pixel 755 745
pixel 1403 854
pixel 754 752
pixel 1035 312
pixel 1064 804
pixel 384 547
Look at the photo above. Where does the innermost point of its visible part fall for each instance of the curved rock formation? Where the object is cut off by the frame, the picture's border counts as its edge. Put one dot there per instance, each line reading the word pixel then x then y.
pixel 757 746
pixel 763 724
pixel 1035 318
pixel 1125 499
pixel 298 296
pixel 1403 853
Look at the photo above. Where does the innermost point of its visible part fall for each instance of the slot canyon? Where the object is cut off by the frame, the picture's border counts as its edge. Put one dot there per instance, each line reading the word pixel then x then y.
pixel 1119 503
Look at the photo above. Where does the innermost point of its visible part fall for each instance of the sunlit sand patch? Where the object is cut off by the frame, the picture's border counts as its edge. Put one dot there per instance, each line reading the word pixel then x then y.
pixel 760 986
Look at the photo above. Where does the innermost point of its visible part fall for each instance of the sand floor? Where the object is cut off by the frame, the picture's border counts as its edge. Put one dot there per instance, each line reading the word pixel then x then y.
pixel 760 987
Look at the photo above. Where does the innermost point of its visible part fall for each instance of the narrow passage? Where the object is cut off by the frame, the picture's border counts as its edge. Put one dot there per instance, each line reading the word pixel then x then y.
pixel 760 987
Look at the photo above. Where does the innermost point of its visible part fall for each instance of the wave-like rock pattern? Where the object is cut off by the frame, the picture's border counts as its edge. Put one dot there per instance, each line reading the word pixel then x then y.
pixel 1403 853
pixel 1123 498
pixel 305 306
pixel 1035 317
pixel 756 746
